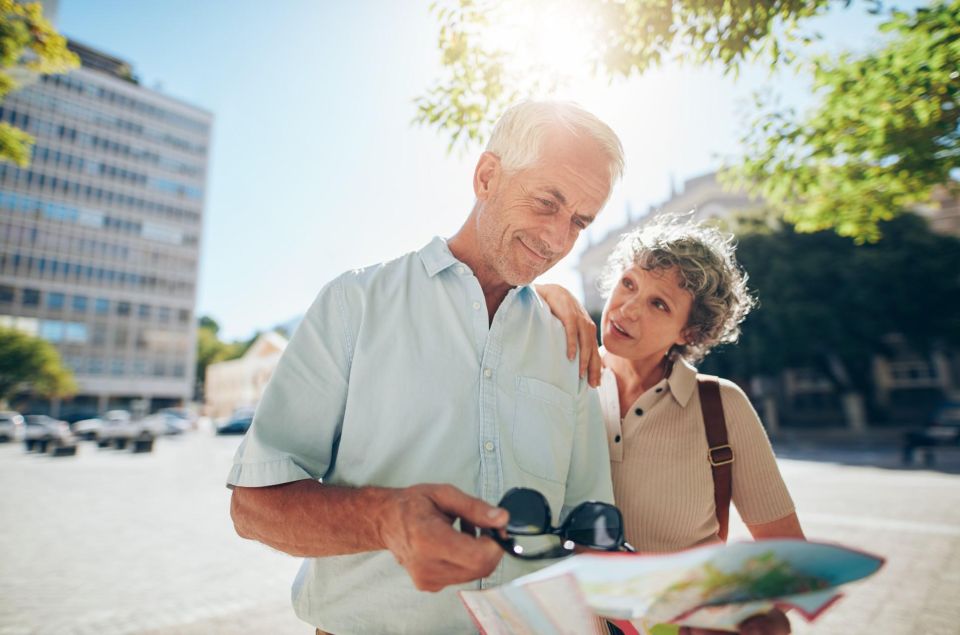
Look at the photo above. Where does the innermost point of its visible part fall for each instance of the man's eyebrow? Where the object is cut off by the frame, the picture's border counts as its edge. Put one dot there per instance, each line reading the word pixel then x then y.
pixel 557 194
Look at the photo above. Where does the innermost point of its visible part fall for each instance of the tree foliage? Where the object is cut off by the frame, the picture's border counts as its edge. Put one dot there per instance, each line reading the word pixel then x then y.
pixel 29 45
pixel 211 349
pixel 625 37
pixel 885 131
pixel 829 304
pixel 31 363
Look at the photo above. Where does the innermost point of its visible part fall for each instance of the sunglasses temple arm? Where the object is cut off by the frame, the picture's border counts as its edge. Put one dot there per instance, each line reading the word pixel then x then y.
pixel 628 547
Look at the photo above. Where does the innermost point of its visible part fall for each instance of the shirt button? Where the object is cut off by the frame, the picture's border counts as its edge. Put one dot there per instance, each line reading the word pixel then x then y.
pixel 639 412
pixel 488 446
pixel 659 389
pixel 476 306
pixel 616 439
pixel 487 373
pixel 461 270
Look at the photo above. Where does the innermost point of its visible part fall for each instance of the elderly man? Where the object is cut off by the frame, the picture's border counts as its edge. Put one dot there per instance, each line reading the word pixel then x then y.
pixel 442 366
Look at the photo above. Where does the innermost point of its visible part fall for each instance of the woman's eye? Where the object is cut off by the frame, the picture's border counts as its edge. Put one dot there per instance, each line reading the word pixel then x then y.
pixel 660 304
pixel 626 283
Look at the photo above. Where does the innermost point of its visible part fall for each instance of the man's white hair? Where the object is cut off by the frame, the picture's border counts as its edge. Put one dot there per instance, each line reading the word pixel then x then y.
pixel 518 136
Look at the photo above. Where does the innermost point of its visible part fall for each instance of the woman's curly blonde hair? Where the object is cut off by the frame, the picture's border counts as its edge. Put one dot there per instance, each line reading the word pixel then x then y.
pixel 705 263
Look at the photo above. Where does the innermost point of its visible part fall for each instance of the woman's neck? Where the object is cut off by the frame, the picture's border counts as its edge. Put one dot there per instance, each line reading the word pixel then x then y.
pixel 636 376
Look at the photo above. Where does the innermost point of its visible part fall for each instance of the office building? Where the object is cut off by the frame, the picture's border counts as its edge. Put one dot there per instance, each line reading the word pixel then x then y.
pixel 100 236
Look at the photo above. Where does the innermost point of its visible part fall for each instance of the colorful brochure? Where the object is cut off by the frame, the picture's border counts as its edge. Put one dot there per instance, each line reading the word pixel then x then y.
pixel 714 587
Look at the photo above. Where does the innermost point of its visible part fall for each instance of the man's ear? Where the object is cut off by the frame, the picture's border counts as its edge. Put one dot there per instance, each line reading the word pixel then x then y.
pixel 486 177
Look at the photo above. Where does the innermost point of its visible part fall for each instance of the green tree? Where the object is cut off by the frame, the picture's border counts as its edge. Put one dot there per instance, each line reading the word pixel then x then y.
pixel 29 45
pixel 885 131
pixel 829 304
pixel 31 363
pixel 624 37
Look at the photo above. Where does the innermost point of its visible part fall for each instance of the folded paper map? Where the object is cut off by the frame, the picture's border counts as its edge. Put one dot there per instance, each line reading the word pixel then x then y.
pixel 713 587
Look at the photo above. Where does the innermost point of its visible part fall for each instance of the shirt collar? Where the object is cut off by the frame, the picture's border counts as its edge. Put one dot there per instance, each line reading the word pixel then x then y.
pixel 436 256
pixel 682 381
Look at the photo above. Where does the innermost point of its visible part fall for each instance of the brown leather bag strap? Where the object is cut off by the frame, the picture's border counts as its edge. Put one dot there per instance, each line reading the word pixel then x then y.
pixel 720 454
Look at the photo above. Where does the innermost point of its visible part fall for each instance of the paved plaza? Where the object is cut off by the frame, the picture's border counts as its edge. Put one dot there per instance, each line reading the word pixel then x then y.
pixel 110 542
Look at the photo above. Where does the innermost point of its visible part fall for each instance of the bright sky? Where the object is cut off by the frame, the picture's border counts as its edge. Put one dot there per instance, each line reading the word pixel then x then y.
pixel 315 167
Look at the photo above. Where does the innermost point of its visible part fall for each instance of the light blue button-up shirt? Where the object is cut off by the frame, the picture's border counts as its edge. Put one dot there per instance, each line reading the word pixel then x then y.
pixel 396 377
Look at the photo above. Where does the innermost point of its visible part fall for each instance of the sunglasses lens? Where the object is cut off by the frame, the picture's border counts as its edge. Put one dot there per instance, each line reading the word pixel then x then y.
pixel 538 547
pixel 595 525
pixel 529 512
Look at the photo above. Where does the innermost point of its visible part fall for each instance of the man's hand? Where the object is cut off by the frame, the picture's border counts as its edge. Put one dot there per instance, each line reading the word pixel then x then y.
pixel 579 326
pixel 417 526
pixel 773 623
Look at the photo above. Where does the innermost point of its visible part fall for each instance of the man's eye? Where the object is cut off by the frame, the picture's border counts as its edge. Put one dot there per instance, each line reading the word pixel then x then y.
pixel 579 222
pixel 626 283
pixel 546 203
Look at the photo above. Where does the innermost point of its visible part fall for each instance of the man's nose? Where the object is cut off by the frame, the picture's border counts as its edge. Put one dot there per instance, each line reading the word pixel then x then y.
pixel 556 234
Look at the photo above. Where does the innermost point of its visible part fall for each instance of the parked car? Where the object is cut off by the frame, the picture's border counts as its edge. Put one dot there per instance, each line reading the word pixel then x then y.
pixel 943 431
pixel 183 413
pixel 11 425
pixel 87 429
pixel 115 429
pixel 78 415
pixel 45 433
pixel 165 422
pixel 239 423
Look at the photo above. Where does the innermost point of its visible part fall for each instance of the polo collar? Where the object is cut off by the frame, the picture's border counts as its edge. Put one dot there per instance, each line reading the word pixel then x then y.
pixel 682 381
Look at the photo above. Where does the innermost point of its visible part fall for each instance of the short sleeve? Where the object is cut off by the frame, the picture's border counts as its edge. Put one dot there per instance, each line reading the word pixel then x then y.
pixel 589 476
pixel 759 492
pixel 298 420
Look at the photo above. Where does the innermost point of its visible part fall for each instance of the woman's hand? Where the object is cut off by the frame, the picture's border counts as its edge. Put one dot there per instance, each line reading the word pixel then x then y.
pixel 579 326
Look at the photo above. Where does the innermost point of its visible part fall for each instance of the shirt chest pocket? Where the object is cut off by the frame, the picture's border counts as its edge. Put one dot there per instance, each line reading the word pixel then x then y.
pixel 543 429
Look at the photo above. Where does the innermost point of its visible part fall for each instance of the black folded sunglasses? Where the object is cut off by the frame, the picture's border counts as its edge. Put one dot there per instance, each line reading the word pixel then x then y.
pixel 592 524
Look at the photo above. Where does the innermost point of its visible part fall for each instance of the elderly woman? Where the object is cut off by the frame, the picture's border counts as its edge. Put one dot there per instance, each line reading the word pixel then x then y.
pixel 674 291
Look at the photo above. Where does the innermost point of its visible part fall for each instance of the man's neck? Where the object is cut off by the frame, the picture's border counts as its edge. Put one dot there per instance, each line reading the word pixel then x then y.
pixel 463 247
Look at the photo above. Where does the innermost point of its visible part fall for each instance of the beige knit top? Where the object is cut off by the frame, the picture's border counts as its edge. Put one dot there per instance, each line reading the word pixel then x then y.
pixel 661 474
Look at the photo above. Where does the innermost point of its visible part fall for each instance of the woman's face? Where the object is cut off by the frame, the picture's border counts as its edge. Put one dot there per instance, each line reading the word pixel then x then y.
pixel 646 313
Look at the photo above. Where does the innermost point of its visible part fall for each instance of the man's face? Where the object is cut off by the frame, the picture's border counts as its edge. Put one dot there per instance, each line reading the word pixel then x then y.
pixel 533 217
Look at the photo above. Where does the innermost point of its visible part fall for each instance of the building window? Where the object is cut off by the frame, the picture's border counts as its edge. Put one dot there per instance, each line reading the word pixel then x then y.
pixel 99 334
pixel 6 294
pixel 159 369
pixel 184 316
pixel 117 367
pixel 95 366
pixel 102 306
pixel 76 332
pixel 51 330
pixel 80 303
pixel 31 297
pixel 163 313
pixel 144 311
pixel 55 301
pixel 123 308
pixel 120 337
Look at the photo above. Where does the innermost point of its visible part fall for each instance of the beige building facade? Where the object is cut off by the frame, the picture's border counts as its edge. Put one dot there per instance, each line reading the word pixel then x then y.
pixel 239 383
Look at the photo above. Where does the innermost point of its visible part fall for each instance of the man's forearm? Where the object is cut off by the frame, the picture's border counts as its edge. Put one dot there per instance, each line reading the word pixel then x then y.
pixel 307 519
